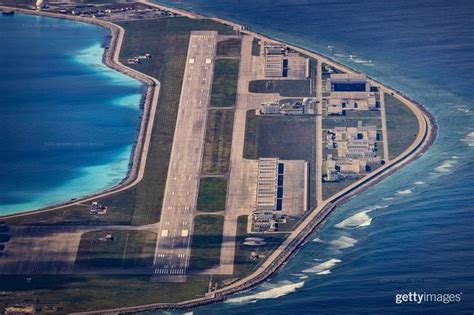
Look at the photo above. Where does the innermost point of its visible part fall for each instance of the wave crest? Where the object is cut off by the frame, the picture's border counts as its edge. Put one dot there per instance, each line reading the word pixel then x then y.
pixel 272 293
pixel 323 268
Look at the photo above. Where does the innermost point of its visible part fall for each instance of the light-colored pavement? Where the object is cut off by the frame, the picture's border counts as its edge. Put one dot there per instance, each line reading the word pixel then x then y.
pixel 383 115
pixel 243 173
pixel 319 134
pixel 53 249
pixel 41 250
pixel 179 203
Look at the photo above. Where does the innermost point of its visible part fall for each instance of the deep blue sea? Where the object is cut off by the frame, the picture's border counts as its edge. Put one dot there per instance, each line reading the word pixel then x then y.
pixel 413 232
pixel 68 123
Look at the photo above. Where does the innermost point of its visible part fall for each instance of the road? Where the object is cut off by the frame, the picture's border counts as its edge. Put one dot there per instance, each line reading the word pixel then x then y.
pixel 386 155
pixel 319 134
pixel 174 233
pixel 243 172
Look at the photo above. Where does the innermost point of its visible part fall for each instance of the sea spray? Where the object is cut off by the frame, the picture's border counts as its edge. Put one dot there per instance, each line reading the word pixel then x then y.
pixel 323 268
pixel 357 220
pixel 343 242
pixel 274 292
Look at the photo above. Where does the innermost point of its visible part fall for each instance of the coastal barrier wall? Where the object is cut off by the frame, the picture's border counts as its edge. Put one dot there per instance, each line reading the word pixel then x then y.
pixel 149 99
pixel 315 219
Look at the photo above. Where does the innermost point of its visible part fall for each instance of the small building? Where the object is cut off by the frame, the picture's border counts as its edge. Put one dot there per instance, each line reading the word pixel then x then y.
pixel 20 310
pixel 347 82
pixel 288 108
pixel 275 59
pixel 97 208
pixel 295 108
pixel 338 106
pixel 270 108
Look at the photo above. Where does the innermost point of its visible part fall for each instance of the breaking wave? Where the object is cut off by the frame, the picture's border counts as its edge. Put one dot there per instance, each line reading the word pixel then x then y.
pixel 357 220
pixel 272 293
pixel 323 268
pixel 446 167
pixel 469 139
pixel 405 192
pixel 343 242
pixel 419 183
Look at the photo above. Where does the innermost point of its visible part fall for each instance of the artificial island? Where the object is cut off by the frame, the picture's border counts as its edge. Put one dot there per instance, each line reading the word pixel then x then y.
pixel 246 145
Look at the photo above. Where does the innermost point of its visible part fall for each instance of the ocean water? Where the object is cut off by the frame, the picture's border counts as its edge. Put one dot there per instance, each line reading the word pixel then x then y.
pixel 68 123
pixel 413 232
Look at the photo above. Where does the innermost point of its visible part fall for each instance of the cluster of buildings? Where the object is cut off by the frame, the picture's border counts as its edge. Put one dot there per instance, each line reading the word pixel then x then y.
pixel 275 60
pixel 351 150
pixel 138 59
pixel 269 198
pixel 97 208
pixel 349 92
pixel 281 194
pixel 288 108
pixel 116 11
pixel 355 149
pixel 282 62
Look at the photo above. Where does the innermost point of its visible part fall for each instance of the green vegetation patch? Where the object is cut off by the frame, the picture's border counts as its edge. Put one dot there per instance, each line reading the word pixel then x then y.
pixel 206 242
pixel 332 188
pixel 212 194
pixel 251 139
pixel 331 122
pixel 286 137
pixel 218 141
pixel 167 41
pixel 67 293
pixel 229 47
pixel 244 263
pixel 286 88
pixel 363 114
pixel 125 249
pixel 119 212
pixel 224 84
pixel 402 126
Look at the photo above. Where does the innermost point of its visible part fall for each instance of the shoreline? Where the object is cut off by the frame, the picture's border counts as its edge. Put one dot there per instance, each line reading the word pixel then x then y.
pixel 148 104
pixel 315 218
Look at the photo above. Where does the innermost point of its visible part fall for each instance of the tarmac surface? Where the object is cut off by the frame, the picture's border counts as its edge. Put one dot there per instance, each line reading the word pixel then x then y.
pixel 243 172
pixel 176 225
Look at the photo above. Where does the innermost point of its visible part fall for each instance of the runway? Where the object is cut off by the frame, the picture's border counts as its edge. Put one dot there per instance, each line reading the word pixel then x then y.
pixel 175 230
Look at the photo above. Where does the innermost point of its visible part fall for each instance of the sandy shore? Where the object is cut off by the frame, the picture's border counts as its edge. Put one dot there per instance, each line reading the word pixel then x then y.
pixel 315 219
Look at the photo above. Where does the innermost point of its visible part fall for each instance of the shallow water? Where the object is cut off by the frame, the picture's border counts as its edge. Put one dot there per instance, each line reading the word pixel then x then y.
pixel 68 122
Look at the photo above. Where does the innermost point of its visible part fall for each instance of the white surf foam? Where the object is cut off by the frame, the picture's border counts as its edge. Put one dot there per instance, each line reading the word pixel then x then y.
pixel 388 198
pixel 357 220
pixel 419 183
pixel 318 240
pixel 463 109
pixel 325 272
pixel 446 166
pixel 405 192
pixel 469 139
pixel 343 242
pixel 272 293
pixel 366 223
pixel 323 268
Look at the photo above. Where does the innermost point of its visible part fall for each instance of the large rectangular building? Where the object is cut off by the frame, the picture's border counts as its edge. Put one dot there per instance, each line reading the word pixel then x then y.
pixel 274 59
pixel 348 82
